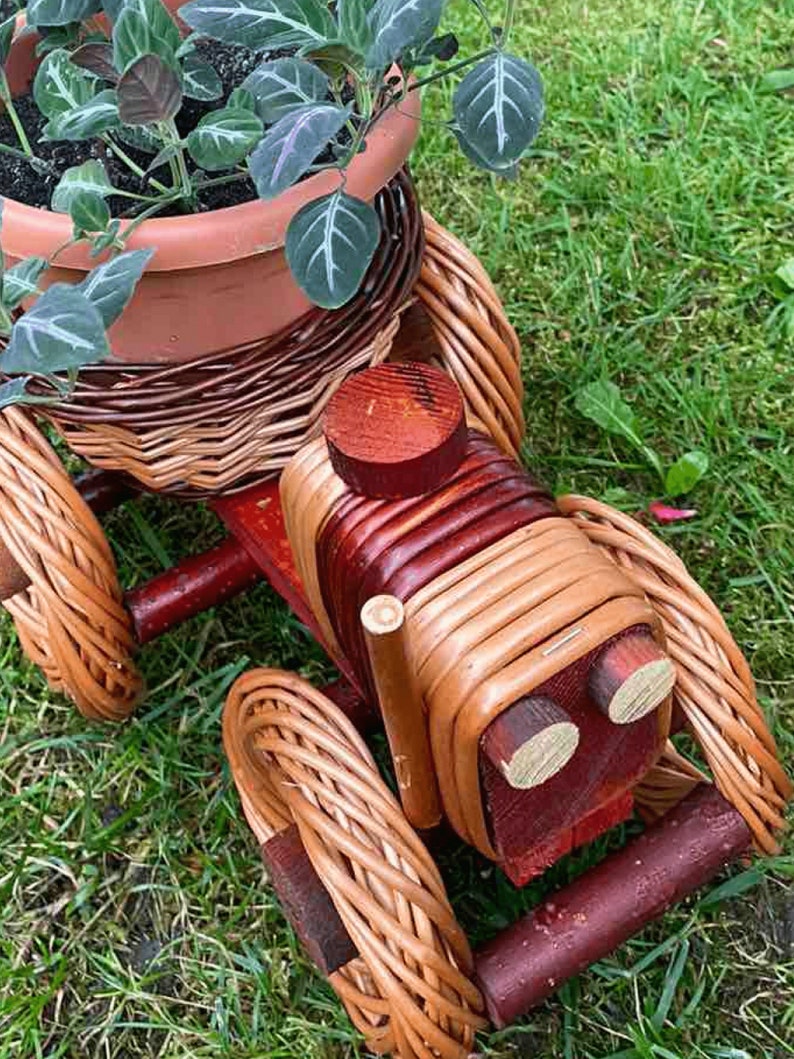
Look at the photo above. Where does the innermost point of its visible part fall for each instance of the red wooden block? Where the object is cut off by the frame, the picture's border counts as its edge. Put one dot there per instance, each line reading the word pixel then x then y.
pixel 527 826
pixel 305 902
pixel 396 430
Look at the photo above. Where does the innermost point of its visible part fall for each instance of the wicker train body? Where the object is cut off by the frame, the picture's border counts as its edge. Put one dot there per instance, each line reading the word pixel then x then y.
pixel 507 595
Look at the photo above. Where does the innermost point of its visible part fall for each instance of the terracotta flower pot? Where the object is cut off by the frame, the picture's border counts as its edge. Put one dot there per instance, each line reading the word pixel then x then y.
pixel 217 280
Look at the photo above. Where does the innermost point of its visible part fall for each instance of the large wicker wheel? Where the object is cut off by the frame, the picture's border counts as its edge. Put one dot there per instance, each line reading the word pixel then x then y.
pixel 295 758
pixel 71 620
pixel 479 347
pixel 714 687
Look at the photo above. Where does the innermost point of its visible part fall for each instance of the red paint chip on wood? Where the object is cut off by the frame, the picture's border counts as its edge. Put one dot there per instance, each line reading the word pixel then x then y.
pixel 396 430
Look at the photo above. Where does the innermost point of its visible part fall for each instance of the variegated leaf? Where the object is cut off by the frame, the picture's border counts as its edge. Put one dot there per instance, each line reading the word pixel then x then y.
pixel 283 84
pixel 329 246
pixel 86 121
pixel 396 25
pixel 62 330
pixel 262 24
pixel 498 108
pixel 224 137
pixel 291 145
pixel 110 285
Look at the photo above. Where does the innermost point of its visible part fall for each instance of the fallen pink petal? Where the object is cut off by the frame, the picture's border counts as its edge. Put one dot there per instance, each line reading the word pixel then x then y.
pixel 664 513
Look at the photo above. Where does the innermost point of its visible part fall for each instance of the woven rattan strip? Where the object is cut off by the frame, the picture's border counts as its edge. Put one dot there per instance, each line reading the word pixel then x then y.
pixel 217 424
pixel 71 619
pixel 296 758
pixel 714 686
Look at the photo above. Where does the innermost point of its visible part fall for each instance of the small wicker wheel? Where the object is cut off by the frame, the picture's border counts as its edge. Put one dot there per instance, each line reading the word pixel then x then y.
pixel 295 758
pixel 71 620
pixel 714 687
pixel 480 348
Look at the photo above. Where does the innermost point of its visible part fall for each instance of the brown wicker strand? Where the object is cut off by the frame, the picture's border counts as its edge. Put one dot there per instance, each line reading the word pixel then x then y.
pixel 714 688
pixel 296 758
pixel 670 780
pixel 480 348
pixel 71 620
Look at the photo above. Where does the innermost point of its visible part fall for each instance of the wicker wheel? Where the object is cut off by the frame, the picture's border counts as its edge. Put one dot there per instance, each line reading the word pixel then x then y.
pixel 71 620
pixel 480 348
pixel 296 758
pixel 714 688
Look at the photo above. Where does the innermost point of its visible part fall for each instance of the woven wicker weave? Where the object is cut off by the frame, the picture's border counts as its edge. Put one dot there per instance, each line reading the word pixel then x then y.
pixel 71 620
pixel 714 687
pixel 222 422
pixel 296 758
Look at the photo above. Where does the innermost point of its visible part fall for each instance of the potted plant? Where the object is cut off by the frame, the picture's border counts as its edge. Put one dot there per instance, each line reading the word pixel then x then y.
pixel 225 159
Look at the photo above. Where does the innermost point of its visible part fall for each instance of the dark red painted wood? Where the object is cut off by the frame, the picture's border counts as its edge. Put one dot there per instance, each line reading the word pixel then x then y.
pixel 305 902
pixel 254 516
pixel 190 587
pixel 105 490
pixel 529 827
pixel 396 430
pixel 609 904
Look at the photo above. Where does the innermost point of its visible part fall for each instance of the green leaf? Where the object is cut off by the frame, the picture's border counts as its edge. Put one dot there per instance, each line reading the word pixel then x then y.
pixel 97 58
pixel 602 402
pixel 262 24
pixel 397 25
pixel 354 27
pixel 200 80
pixel 62 330
pixel 21 280
pixel 509 172
pixel 733 887
pixel 13 391
pixel 142 137
pixel 87 121
pixel 89 212
pixel 291 145
pixel 60 86
pixel 110 285
pixel 60 12
pixel 241 98
pixel 786 273
pixel 777 81
pixel 280 86
pixel 89 177
pixel 112 8
pixel 6 36
pixel 106 239
pixel 171 150
pixel 223 138
pixel 149 91
pixel 54 37
pixel 144 27
pixel 498 108
pixel 329 246
pixel 685 473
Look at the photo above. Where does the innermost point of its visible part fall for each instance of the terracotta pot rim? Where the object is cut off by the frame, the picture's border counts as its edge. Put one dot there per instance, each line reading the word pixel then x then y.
pixel 199 240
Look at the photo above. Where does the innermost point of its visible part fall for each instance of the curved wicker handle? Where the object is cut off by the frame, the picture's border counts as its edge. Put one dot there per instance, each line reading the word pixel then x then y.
pixel 296 758
pixel 480 348
pixel 70 619
pixel 714 687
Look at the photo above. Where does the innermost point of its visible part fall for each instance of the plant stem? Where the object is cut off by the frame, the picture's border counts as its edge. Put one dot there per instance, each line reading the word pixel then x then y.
pixel 144 215
pixel 181 173
pixel 217 181
pixel 136 169
pixel 22 136
pixel 5 321
pixel 510 15
pixel 31 159
pixel 451 69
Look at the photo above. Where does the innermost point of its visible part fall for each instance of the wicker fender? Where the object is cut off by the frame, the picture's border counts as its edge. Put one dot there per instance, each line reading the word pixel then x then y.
pixel 295 758
pixel 70 619
pixel 714 687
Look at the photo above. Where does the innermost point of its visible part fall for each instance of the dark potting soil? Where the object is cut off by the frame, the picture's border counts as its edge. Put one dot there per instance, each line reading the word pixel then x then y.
pixel 33 185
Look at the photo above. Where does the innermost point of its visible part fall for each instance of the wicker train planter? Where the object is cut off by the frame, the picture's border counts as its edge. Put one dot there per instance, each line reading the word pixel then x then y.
pixel 529 657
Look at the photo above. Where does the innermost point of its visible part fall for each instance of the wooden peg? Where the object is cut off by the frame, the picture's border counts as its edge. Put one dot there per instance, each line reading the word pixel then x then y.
pixel 383 620
pixel 396 430
pixel 631 677
pixel 531 741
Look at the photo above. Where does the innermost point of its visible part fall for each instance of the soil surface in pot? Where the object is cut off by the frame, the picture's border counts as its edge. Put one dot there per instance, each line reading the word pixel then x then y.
pixel 34 185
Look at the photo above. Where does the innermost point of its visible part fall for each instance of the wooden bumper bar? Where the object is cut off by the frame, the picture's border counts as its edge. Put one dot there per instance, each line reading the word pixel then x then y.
pixel 609 904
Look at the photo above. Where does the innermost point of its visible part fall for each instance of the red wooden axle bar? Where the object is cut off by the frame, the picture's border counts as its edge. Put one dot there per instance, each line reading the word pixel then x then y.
pixel 610 903
pixel 190 587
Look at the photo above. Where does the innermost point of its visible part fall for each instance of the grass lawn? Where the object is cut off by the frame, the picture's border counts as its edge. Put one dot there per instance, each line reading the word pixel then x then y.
pixel 640 244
